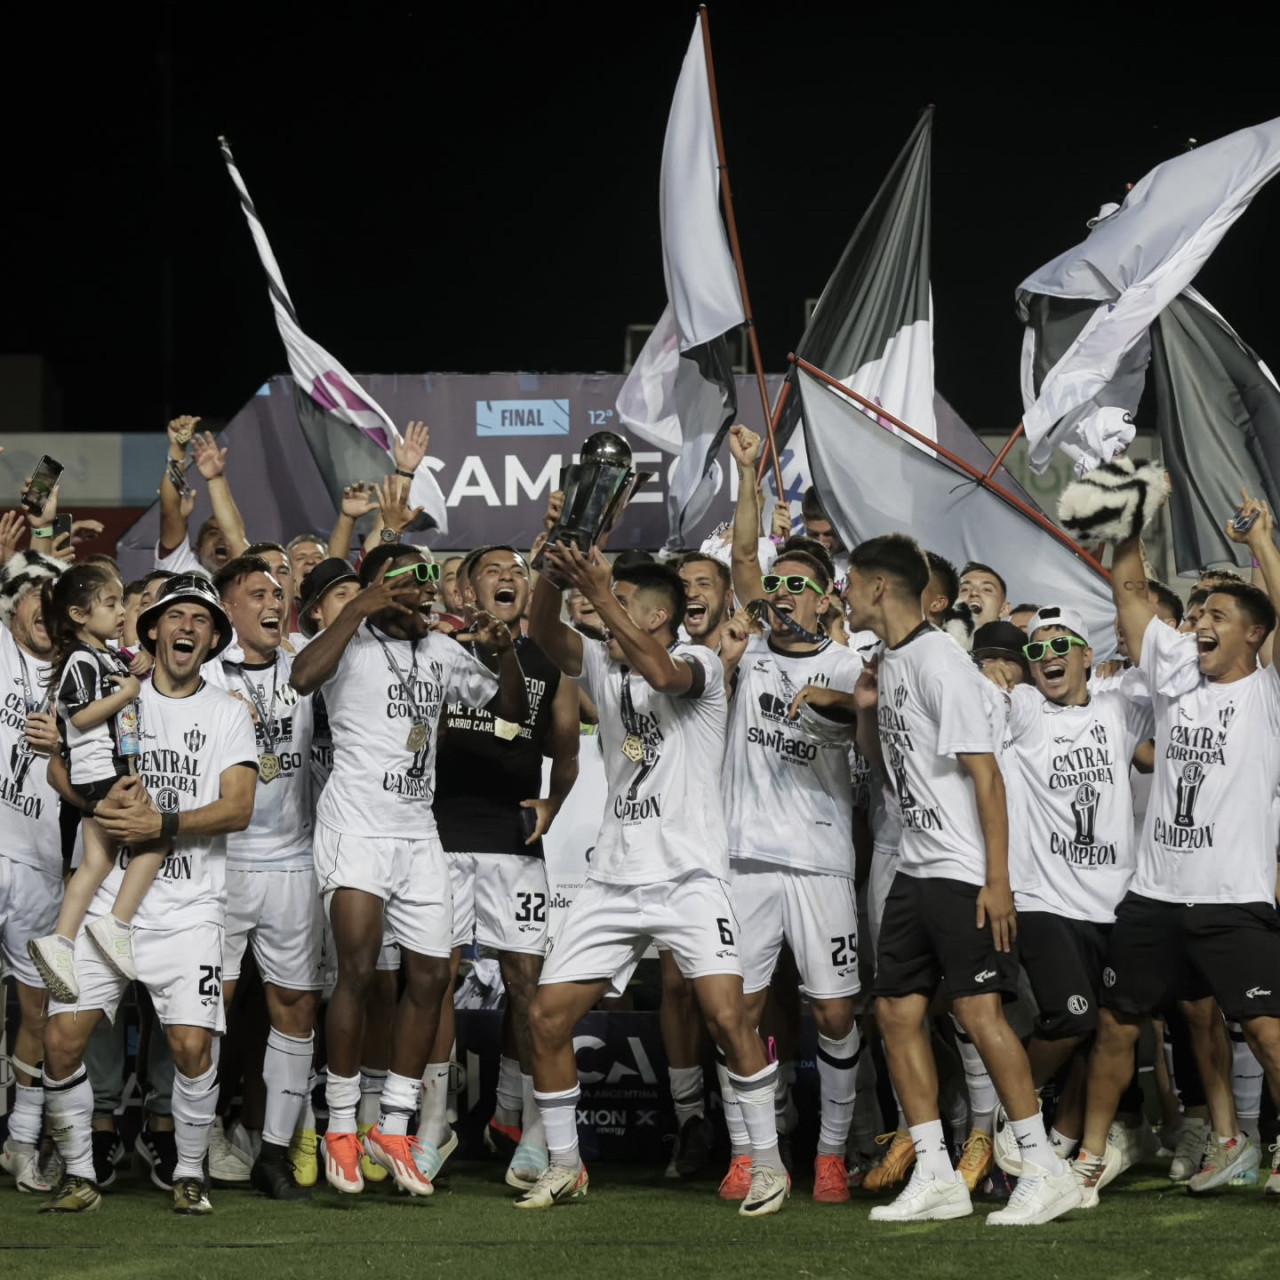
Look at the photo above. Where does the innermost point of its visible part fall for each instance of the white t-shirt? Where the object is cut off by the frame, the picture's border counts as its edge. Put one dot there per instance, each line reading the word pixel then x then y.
pixel 187 744
pixel 788 794
pixel 279 837
pixel 379 785
pixel 28 804
pixel 1074 765
pixel 664 816
pixel 1210 833
pixel 935 706
pixel 182 559
pixel 84 682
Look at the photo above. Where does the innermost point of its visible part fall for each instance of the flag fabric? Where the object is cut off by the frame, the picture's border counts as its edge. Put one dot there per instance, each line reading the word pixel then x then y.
pixel 680 395
pixel 873 326
pixel 1089 311
pixel 330 400
pixel 873 481
pixel 1218 416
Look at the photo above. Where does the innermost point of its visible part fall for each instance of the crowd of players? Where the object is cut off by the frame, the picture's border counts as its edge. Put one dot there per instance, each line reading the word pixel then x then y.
pixel 829 773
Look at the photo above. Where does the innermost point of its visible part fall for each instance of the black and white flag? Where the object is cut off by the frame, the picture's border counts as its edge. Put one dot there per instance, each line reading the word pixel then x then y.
pixel 680 395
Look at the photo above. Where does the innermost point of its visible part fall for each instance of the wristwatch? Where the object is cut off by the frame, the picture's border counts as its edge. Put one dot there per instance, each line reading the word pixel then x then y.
pixel 388 535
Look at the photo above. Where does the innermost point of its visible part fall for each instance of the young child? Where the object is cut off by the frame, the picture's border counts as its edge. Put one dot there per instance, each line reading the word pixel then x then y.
pixel 97 698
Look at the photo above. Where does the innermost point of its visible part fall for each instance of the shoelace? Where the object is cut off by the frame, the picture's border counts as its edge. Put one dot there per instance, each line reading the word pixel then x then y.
pixel 191 1191
pixel 1025 1189
pixel 1214 1151
pixel 1092 1170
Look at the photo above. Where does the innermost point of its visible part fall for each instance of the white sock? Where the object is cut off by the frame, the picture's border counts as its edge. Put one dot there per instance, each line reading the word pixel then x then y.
pixel 434 1125
pixel 755 1097
pixel 739 1139
pixel 1246 1082
pixel 531 1126
pixel 286 1068
pixel 307 1119
pixel 399 1103
pixel 372 1082
pixel 686 1093
pixel 983 1099
pixel 1033 1144
pixel 933 1160
pixel 342 1096
pixel 560 1120
pixel 27 1117
pixel 837 1064
pixel 69 1103
pixel 510 1101
pixel 1064 1147
pixel 195 1105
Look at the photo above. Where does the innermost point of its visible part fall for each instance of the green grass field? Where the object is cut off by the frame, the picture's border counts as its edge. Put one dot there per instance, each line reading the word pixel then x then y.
pixel 632 1224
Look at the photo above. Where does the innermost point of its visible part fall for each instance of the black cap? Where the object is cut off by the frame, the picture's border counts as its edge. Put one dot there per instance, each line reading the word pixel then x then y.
pixel 328 573
pixel 1001 639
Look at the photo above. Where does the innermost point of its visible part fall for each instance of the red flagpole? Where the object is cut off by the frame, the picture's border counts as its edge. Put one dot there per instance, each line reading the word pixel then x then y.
pixel 876 411
pixel 773 421
pixel 1004 452
pixel 732 224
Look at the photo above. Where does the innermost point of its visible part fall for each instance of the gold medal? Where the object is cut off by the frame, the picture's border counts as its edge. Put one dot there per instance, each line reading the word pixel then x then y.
pixel 268 766
pixel 417 738
pixel 633 748
pixel 505 729
pixel 184 433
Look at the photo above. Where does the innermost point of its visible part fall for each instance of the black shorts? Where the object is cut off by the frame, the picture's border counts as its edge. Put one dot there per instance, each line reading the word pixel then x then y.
pixel 1165 950
pixel 1064 959
pixel 94 791
pixel 929 933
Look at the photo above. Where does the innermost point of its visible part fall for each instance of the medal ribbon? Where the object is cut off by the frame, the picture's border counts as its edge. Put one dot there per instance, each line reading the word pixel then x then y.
pixel 405 687
pixel 269 737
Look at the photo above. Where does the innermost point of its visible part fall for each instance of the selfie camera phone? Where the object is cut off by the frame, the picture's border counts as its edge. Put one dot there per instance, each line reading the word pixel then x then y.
pixel 1243 523
pixel 43 478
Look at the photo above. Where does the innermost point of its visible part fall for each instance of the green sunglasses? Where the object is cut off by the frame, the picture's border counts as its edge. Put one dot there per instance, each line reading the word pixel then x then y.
pixel 794 582
pixel 423 571
pixel 1060 645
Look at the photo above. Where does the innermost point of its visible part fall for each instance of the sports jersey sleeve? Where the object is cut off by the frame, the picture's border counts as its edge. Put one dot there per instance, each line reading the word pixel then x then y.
pixel 180 559
pixel 79 686
pixel 706 669
pixel 1024 703
pixel 241 745
pixel 1271 691
pixel 595 665
pixel 468 680
pixel 956 699
pixel 1170 660
pixel 1139 715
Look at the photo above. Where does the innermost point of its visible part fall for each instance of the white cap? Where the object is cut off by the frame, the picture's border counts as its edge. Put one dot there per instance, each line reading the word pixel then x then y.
pixel 1053 616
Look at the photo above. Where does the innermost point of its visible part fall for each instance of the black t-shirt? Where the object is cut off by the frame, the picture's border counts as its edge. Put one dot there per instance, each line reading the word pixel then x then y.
pixel 485 767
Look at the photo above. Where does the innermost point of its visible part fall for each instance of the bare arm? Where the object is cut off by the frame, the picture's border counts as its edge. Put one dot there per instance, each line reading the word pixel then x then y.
pixel 357 500
pixel 560 642
pixel 212 463
pixel 511 702
pixel 995 901
pixel 136 820
pixel 100 711
pixel 866 696
pixel 745 447
pixel 1261 541
pixel 1144 756
pixel 174 513
pixel 1130 593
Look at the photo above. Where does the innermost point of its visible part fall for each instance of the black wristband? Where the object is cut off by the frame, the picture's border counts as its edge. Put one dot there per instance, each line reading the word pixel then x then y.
pixel 168 826
pixel 408 475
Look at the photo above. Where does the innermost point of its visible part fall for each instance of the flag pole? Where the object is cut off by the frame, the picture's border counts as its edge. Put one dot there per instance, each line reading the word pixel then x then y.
pixel 875 411
pixel 752 336
pixel 1004 452
pixel 773 435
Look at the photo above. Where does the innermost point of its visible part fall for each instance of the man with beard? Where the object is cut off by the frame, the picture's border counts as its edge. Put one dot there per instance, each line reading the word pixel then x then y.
pixel 197 770
pixel 31 848
pixel 950 913
pixel 386 677
pixel 707 597
pixel 1072 751
pixel 659 868
pixel 222 536
pixel 272 901
pixel 792 880
pixel 491 822
pixel 1200 918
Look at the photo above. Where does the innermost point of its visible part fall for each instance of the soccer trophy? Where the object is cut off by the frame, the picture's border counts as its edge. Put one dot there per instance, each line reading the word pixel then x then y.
pixel 596 490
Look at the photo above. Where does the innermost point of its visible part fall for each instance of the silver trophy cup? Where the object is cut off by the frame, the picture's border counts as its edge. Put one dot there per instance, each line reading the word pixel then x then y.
pixel 596 490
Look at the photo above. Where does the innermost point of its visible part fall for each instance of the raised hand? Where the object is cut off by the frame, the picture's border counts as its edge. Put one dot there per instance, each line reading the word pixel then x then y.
pixel 210 460
pixel 180 432
pixel 866 693
pixel 555 507
pixel 1263 527
pixel 392 497
pixel 592 576
pixel 359 499
pixel 412 446
pixel 12 527
pixel 486 629
pixel 734 636
pixel 744 444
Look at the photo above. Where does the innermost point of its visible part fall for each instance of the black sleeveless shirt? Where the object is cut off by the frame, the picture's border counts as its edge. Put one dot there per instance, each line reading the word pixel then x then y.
pixel 484 770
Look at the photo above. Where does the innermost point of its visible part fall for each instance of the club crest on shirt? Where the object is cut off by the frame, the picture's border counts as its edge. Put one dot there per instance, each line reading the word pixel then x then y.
pixel 900 697
pixel 195 739
pixel 1226 715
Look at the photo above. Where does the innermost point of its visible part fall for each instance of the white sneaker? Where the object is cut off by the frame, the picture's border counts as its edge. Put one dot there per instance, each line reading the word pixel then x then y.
pixel 769 1191
pixel 926 1200
pixel 55 959
pixel 1008 1155
pixel 114 940
pixel 22 1159
pixel 227 1163
pixel 1039 1198
pixel 558 1185
pixel 1188 1153
pixel 1223 1162
pixel 1273 1182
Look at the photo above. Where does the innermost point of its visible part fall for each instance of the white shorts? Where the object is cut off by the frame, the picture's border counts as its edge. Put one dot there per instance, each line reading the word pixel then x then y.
pixel 182 971
pixel 816 914
pixel 606 930
pixel 29 903
pixel 884 866
pixel 410 876
pixel 280 913
pixel 500 899
pixel 388 958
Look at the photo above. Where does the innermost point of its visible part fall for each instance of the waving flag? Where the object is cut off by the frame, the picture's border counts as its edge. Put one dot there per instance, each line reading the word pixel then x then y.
pixel 1089 311
pixel 680 395
pixel 330 401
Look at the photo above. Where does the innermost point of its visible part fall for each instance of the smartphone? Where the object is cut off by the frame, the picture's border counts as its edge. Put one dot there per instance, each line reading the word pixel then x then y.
pixel 178 477
pixel 61 525
pixel 43 478
pixel 1242 523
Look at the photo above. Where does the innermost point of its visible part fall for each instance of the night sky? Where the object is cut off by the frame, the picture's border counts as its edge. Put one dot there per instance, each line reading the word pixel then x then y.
pixel 475 188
